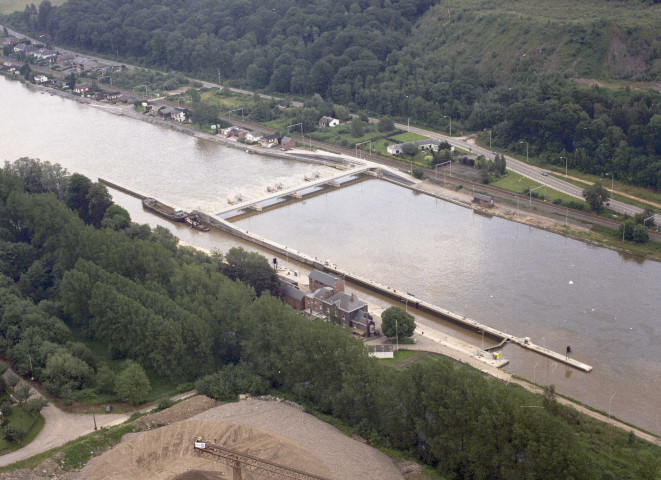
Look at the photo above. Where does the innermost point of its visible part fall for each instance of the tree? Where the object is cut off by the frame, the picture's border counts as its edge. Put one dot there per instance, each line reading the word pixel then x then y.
pixel 410 149
pixel 596 195
pixel 14 433
pixel 252 269
pixel 626 229
pixel 205 112
pixel 132 384
pixel 105 380
pixel 98 200
pixel 640 234
pixel 64 371
pixel 34 405
pixel 341 112
pixel 356 127
pixel 22 392
pixel 116 218
pixel 25 70
pixel 386 125
pixel 397 322
pixel 76 195
pixel 70 81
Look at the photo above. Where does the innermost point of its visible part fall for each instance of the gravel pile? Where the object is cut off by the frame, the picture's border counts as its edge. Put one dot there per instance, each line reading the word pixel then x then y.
pixel 345 457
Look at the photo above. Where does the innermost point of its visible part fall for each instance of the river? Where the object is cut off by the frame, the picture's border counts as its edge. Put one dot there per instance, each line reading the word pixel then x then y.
pixel 522 280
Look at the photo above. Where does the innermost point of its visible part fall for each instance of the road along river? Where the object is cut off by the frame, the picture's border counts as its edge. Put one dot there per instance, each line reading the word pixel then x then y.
pixel 518 279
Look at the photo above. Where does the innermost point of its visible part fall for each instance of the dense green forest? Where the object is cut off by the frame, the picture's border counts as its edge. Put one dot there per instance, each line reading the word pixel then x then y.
pixel 77 275
pixel 504 66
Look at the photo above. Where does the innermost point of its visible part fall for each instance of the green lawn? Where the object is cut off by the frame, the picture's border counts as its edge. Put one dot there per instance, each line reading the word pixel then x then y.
pixel 631 190
pixel 399 356
pixel 514 182
pixel 407 137
pixel 31 425
pixel 10 6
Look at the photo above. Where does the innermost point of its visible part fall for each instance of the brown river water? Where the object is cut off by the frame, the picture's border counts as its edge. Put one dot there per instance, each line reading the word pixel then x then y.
pixel 518 279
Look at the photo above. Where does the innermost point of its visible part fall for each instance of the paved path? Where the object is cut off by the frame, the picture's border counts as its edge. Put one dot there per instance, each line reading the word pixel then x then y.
pixel 62 427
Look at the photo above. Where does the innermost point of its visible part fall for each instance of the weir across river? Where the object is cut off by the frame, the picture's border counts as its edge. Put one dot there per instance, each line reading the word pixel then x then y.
pixel 404 297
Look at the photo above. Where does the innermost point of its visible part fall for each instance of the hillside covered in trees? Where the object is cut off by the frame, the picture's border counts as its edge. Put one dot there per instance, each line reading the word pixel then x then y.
pixel 506 66
pixel 77 277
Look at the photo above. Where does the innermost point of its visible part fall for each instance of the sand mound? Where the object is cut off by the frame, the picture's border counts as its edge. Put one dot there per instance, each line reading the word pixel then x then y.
pixel 167 452
pixel 181 411
pixel 345 457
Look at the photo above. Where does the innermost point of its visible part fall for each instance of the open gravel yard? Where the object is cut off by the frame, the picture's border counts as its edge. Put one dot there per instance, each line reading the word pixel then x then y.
pixel 345 457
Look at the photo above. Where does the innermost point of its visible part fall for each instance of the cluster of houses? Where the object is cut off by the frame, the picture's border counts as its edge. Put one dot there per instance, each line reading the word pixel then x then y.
pixel 65 60
pixel 178 114
pixel 327 299
pixel 249 137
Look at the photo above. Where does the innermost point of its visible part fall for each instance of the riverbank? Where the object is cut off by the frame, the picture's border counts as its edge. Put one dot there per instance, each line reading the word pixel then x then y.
pixel 570 229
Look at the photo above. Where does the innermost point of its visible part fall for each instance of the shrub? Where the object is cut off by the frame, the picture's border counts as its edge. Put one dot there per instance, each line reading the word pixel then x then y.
pixel 14 433
pixel 418 173
pixel 34 405
pixel 164 403
pixel 184 387
pixel 557 201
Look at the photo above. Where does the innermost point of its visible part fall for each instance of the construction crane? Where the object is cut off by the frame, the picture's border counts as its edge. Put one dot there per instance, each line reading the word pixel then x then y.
pixel 241 461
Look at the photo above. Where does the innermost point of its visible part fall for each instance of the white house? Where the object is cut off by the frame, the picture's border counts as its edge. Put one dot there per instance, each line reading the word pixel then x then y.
pixel 40 78
pixel 328 122
pixel 429 144
pixel 253 137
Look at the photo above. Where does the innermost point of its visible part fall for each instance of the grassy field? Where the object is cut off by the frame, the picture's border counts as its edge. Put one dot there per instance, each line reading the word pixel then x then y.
pixel 407 137
pixel 31 425
pixel 10 6
pixel 514 182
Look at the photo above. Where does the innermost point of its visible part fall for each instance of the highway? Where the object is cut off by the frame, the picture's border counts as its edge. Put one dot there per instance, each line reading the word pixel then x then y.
pixel 526 170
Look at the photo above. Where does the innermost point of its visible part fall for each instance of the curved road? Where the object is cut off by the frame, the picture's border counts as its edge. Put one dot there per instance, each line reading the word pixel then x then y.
pixel 62 427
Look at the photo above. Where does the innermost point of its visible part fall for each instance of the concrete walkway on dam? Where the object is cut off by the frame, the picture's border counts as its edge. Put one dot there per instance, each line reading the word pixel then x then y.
pixel 384 290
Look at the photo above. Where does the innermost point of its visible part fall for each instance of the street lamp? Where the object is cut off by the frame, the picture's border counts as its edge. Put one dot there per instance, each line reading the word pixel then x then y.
pixel 565 166
pixel 236 110
pixel 396 334
pixel 532 190
pixel 609 406
pixel 440 165
pixel 448 116
pixel 527 145
pixel 489 139
pixel 611 174
pixel 363 143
